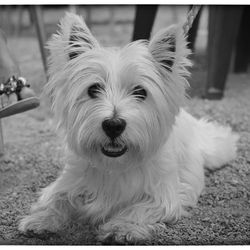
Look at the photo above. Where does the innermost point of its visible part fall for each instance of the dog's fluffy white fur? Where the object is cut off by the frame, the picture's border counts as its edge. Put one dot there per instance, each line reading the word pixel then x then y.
pixel 161 172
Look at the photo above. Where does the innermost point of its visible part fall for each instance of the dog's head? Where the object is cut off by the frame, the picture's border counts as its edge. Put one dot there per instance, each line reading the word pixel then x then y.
pixel 116 106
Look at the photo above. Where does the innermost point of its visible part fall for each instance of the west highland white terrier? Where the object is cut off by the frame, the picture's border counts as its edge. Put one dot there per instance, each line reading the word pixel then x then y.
pixel 135 157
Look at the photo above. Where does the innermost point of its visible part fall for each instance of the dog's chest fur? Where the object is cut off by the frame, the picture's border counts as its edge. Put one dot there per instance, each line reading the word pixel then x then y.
pixel 101 194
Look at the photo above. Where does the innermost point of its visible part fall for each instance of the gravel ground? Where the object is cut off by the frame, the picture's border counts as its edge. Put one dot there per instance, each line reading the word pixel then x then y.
pixel 33 159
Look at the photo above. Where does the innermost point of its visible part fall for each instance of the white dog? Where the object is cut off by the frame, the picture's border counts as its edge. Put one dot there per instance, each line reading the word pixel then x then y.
pixel 135 157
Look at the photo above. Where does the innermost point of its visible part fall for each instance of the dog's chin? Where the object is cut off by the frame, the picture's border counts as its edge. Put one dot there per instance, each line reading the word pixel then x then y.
pixel 114 149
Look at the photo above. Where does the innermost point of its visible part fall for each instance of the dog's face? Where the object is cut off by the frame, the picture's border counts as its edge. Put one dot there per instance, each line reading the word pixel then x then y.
pixel 116 106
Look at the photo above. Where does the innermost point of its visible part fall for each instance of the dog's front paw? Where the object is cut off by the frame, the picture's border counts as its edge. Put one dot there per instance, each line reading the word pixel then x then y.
pixel 38 224
pixel 124 232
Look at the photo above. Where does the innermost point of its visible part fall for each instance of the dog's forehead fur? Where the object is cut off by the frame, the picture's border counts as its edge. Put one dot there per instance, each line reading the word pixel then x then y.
pixel 115 67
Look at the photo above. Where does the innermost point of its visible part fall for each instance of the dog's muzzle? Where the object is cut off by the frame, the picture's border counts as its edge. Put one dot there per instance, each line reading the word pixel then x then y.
pixel 114 149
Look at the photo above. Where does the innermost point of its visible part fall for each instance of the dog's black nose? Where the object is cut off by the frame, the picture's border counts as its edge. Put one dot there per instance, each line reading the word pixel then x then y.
pixel 113 127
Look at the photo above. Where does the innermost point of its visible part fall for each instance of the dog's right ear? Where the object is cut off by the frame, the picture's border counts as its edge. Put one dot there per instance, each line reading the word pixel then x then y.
pixel 72 39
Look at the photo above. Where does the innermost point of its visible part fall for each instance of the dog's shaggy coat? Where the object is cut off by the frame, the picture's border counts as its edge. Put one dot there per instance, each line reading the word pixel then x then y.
pixel 162 150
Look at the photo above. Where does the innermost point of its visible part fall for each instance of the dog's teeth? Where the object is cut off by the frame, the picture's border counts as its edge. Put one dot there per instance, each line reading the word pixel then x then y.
pixel 111 148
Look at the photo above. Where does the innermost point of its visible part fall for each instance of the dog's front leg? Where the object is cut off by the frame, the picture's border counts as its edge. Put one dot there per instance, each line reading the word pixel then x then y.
pixel 139 221
pixel 52 211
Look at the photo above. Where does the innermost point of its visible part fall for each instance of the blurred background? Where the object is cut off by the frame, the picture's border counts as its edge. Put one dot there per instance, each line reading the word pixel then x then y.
pixel 112 25
pixel 29 27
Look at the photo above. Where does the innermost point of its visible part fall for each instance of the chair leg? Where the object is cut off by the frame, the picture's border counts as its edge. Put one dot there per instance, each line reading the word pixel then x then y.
pixel 144 20
pixel 223 28
pixel 18 27
pixel 1 140
pixel 37 16
pixel 242 51
pixel 88 17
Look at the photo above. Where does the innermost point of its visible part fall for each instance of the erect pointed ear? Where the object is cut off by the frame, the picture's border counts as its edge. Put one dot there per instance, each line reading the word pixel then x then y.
pixel 169 49
pixel 72 39
pixel 80 37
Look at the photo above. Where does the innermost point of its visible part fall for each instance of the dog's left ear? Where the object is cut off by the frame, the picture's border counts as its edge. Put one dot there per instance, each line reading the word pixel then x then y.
pixel 80 37
pixel 72 39
pixel 169 49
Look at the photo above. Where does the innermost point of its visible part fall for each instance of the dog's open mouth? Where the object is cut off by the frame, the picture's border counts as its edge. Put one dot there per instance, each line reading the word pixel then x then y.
pixel 114 149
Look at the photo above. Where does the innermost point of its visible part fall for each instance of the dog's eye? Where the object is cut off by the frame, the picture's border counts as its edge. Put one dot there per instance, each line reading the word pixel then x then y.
pixel 94 90
pixel 139 92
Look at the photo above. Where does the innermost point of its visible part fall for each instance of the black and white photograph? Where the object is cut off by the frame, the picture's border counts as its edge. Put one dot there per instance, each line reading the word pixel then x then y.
pixel 124 124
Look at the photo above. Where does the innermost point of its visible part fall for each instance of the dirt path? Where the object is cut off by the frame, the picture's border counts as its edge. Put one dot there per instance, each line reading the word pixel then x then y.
pixel 33 159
